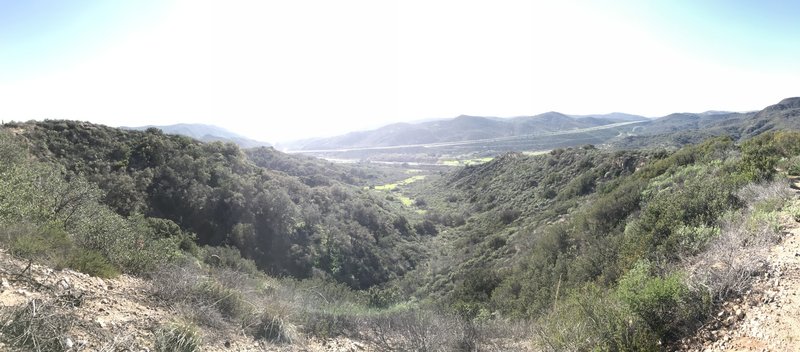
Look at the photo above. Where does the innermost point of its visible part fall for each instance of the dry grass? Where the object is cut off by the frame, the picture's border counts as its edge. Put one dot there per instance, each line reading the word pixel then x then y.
pixel 734 258
pixel 37 326
pixel 225 299
pixel 421 330
pixel 178 337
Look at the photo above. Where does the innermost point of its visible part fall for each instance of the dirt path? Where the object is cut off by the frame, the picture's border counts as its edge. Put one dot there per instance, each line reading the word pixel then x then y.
pixel 768 317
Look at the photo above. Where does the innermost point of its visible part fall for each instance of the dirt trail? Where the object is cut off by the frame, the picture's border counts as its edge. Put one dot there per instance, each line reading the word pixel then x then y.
pixel 768 317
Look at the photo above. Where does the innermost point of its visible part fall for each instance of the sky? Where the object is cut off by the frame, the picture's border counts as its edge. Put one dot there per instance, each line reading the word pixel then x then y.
pixel 285 70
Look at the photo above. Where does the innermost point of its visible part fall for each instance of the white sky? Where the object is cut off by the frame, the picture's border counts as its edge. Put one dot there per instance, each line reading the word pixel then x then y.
pixel 281 70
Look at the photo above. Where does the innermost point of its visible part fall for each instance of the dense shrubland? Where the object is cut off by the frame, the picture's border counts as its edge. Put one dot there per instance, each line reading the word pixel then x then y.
pixel 580 248
pixel 611 259
pixel 295 226
pixel 63 222
pixel 314 172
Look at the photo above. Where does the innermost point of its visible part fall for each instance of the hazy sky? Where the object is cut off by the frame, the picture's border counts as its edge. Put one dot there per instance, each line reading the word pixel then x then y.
pixel 279 70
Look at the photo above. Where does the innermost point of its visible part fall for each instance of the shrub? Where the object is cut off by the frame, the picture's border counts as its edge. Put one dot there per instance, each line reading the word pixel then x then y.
pixel 794 211
pixel 793 166
pixel 178 337
pixel 733 259
pixel 275 328
pixel 229 257
pixel 208 302
pixel 426 228
pixel 759 157
pixel 227 301
pixel 508 215
pixel 49 244
pixel 174 282
pixel 767 196
pixel 189 245
pixel 590 319
pixel 329 322
pixel 383 297
pixel 52 246
pixel 329 308
pixel 419 330
pixel 665 304
pixel 92 263
pixel 129 244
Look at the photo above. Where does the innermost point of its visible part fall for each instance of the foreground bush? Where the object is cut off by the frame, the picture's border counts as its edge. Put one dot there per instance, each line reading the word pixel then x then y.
pixel 92 263
pixel 274 327
pixel 594 320
pixel 666 304
pixel 420 330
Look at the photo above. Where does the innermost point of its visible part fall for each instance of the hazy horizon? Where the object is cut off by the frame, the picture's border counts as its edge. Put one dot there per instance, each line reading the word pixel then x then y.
pixel 280 71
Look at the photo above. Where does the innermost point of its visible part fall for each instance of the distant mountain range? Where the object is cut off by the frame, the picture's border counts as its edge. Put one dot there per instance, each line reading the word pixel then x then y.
pixel 675 130
pixel 461 128
pixel 543 131
pixel 206 133
pixel 430 141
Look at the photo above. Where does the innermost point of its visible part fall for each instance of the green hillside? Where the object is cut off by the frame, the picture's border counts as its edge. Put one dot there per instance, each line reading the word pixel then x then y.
pixel 288 226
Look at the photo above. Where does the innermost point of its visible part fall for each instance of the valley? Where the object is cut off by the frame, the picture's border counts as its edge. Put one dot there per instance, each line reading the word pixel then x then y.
pixel 399 176
pixel 627 235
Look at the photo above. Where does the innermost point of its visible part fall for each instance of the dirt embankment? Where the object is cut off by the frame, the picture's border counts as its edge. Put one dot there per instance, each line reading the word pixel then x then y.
pixel 72 311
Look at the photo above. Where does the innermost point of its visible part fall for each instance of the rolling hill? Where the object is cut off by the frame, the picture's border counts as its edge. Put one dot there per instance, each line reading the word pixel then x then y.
pixel 680 129
pixel 459 129
pixel 476 136
pixel 205 133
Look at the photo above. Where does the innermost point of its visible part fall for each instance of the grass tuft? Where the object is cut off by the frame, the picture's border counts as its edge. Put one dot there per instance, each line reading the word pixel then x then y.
pixel 178 337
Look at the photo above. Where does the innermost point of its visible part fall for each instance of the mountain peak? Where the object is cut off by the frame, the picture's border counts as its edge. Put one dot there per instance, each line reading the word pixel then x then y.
pixel 793 102
pixel 785 104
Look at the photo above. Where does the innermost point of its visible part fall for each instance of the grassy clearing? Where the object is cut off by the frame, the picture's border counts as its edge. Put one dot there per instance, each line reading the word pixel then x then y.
pixel 405 200
pixel 393 186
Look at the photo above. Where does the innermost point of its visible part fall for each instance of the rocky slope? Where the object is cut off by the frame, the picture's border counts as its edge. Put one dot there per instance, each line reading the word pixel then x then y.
pixel 72 311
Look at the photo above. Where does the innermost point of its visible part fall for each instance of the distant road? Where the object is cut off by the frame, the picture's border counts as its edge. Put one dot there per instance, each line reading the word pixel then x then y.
pixel 474 141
